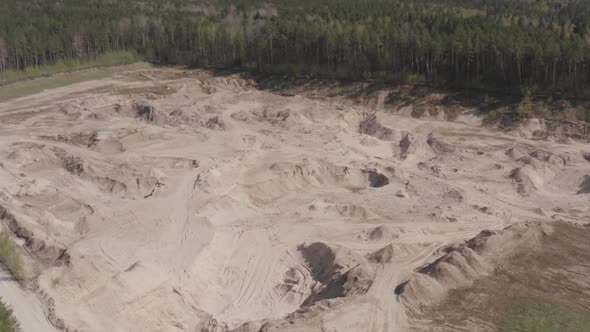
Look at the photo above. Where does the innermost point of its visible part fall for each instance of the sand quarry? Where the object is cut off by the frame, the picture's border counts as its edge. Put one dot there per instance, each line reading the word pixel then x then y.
pixel 161 199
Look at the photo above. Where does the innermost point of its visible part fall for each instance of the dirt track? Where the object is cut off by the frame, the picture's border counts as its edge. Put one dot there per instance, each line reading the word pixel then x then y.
pixel 176 200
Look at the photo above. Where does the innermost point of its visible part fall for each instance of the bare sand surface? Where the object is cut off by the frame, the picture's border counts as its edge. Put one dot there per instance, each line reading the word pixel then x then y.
pixel 170 200
pixel 27 308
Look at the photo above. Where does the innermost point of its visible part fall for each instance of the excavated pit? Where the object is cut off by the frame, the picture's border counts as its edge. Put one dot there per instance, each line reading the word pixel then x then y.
pixel 205 203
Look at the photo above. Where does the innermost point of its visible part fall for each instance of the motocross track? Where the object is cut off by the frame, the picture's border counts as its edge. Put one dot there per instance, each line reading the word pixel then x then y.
pixel 164 199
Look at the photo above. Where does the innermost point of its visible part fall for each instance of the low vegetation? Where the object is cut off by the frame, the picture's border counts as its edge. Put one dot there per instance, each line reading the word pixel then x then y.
pixel 540 287
pixel 67 65
pixel 9 257
pixel 8 322
pixel 511 114
pixel 544 316
pixel 505 111
pixel 39 84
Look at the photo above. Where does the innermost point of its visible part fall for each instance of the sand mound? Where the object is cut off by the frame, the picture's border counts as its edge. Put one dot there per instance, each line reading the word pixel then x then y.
pixel 118 180
pixel 453 196
pixel 109 185
pixel 381 256
pixel 108 145
pixel 280 178
pixel 456 269
pixel 407 145
pixel 378 233
pixel 179 118
pixel 540 270
pixel 438 144
pixel 164 114
pixel 464 264
pixel 338 274
pixel 275 117
pixel 233 83
pixel 515 153
pixel 549 157
pixel 50 255
pixel 82 139
pixel 72 164
pixel 32 156
pixel 215 123
pixel 327 209
pixel 523 183
pixel 145 112
pixel 369 125
pixel 524 154
pixel 102 141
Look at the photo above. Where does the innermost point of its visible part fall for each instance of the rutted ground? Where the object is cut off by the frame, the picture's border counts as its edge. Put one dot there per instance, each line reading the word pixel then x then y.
pixel 164 199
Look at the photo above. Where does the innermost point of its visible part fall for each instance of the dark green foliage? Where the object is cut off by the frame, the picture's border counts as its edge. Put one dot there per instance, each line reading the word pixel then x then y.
pixel 527 46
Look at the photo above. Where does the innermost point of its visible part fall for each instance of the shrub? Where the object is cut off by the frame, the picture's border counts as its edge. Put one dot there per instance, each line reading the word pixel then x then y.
pixel 489 100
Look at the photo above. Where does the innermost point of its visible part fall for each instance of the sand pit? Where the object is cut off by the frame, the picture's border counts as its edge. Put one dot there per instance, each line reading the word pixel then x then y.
pixel 201 203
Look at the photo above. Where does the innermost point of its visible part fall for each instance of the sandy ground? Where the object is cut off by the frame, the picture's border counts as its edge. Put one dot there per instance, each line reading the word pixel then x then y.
pixel 27 308
pixel 165 200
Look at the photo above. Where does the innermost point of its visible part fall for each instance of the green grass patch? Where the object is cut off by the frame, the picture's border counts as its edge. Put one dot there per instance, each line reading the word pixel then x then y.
pixel 29 87
pixel 8 322
pixel 37 85
pixel 108 59
pixel 534 315
pixel 19 83
pixel 9 257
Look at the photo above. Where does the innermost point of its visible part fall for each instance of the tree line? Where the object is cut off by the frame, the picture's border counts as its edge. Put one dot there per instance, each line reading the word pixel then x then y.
pixel 529 46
